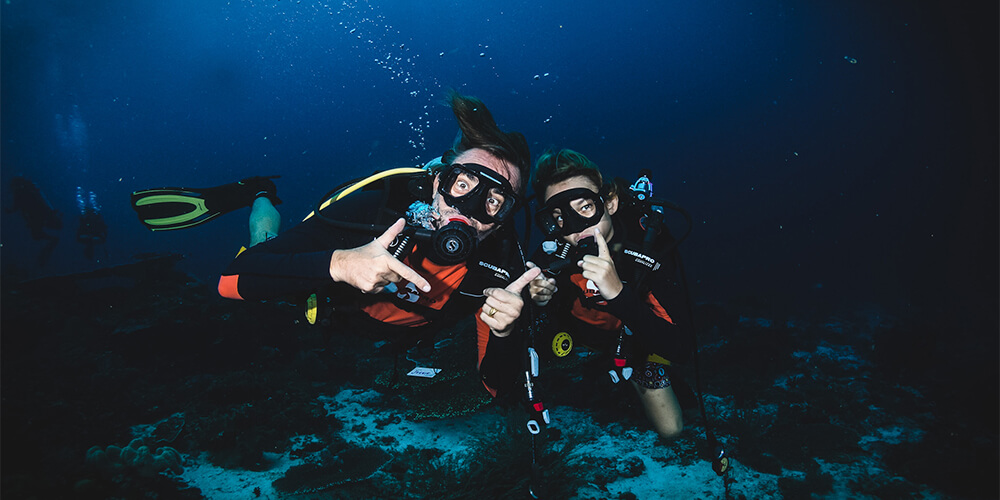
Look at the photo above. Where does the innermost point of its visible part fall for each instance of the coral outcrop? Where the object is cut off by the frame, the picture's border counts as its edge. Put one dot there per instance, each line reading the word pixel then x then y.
pixel 137 456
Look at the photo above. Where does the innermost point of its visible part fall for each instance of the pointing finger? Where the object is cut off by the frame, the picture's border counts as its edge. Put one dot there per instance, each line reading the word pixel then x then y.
pixel 525 278
pixel 390 234
pixel 602 245
pixel 409 274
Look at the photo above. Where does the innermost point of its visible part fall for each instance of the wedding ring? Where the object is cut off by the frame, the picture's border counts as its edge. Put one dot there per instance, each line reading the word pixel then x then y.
pixel 493 311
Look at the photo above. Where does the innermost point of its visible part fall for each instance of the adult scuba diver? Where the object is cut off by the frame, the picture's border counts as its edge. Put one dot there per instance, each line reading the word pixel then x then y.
pixel 37 213
pixel 400 255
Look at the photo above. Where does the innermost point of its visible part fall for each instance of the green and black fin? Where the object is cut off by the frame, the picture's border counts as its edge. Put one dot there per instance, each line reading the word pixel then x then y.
pixel 169 208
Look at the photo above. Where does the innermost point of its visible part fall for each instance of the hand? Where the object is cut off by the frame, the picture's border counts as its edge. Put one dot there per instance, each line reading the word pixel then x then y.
pixel 371 267
pixel 503 305
pixel 541 288
pixel 601 269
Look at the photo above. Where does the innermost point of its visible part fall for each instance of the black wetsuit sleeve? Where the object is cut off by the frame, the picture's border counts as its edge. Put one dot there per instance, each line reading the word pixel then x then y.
pixel 296 261
pixel 503 360
pixel 669 339
pixel 501 365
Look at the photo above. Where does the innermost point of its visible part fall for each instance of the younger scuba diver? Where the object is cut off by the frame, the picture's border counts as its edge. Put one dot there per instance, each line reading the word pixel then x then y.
pixel 607 283
pixel 444 249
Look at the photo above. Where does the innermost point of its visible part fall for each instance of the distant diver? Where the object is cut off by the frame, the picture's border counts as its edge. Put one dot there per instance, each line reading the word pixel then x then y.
pixel 169 208
pixel 92 229
pixel 38 214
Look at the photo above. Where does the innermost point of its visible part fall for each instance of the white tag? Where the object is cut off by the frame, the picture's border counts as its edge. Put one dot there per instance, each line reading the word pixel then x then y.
pixel 421 371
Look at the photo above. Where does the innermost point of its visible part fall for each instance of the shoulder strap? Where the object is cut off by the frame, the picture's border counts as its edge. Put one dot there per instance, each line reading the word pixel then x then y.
pixel 351 186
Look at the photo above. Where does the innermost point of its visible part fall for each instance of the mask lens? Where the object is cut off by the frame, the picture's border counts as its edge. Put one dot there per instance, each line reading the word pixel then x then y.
pixel 570 212
pixel 464 183
pixel 584 207
pixel 495 202
pixel 478 193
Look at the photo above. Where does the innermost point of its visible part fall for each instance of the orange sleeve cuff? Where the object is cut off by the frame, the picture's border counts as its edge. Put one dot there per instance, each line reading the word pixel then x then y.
pixel 228 287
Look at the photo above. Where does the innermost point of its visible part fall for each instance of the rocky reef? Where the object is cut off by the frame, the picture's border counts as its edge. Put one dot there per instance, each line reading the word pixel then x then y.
pixel 222 399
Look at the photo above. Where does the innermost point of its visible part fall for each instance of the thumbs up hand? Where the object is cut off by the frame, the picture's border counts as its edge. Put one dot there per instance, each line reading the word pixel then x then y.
pixel 503 305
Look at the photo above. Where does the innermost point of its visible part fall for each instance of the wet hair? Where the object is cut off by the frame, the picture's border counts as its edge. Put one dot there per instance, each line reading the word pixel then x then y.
pixel 553 167
pixel 480 131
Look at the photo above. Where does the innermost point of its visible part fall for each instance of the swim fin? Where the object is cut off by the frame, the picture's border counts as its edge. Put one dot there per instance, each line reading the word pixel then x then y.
pixel 165 209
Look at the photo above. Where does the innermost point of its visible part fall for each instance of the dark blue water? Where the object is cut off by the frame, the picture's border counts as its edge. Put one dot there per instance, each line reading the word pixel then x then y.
pixel 831 153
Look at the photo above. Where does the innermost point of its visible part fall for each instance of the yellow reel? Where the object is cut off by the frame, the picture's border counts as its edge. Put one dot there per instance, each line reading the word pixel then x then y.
pixel 562 344
pixel 721 465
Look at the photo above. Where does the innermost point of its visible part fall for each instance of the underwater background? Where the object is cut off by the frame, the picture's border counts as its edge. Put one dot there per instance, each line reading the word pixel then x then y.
pixel 840 161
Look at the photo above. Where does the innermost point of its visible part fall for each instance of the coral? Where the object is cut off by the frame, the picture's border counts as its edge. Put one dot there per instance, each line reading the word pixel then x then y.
pixel 630 467
pixel 498 466
pixel 448 405
pixel 136 456
pixel 353 464
pixel 815 483
pixel 456 391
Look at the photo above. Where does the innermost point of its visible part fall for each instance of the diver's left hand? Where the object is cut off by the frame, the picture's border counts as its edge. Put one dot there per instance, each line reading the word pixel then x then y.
pixel 503 305
pixel 601 269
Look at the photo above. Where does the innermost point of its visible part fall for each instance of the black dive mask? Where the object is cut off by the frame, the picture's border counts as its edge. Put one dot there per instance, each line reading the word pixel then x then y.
pixel 478 192
pixel 570 212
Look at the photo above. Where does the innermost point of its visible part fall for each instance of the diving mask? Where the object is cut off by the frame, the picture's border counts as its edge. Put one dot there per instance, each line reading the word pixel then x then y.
pixel 570 212
pixel 478 192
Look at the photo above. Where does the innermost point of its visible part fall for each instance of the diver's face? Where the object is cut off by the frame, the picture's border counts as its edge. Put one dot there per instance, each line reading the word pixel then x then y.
pixel 604 224
pixel 446 212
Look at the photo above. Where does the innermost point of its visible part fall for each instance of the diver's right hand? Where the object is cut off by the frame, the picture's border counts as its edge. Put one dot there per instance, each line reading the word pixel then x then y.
pixel 541 288
pixel 370 268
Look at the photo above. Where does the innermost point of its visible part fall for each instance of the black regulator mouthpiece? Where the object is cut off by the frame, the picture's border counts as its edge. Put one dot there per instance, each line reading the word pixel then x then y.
pixel 451 244
pixel 587 246
pixel 584 247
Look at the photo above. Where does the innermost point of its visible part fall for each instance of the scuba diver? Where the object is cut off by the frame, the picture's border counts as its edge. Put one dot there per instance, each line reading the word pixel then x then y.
pixel 37 213
pixel 609 280
pixel 92 229
pixel 402 254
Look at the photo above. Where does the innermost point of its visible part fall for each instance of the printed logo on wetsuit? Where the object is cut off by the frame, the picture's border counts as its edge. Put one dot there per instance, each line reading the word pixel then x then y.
pixel 643 259
pixel 409 293
pixel 498 273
